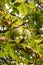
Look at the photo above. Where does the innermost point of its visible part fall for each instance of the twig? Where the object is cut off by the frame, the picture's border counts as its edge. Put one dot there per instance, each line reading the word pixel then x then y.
pixel 32 63
pixel 5 61
pixel 31 50
pixel 4 39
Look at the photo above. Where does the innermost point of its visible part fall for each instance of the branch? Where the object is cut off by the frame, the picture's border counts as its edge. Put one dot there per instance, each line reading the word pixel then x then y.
pixel 33 51
pixel 31 63
pixel 9 24
pixel 30 50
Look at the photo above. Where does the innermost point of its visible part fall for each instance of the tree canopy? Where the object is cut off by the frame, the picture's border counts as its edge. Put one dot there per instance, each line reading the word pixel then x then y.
pixel 21 32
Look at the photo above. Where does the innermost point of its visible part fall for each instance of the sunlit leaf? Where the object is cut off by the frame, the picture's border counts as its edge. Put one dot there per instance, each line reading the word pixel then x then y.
pixel 22 9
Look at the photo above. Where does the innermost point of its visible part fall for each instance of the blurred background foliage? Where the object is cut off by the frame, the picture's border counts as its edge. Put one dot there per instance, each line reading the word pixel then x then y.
pixel 21 32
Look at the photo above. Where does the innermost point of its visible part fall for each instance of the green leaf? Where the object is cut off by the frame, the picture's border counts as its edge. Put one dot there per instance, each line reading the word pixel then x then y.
pixel 20 1
pixel 3 54
pixel 13 54
pixel 22 9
